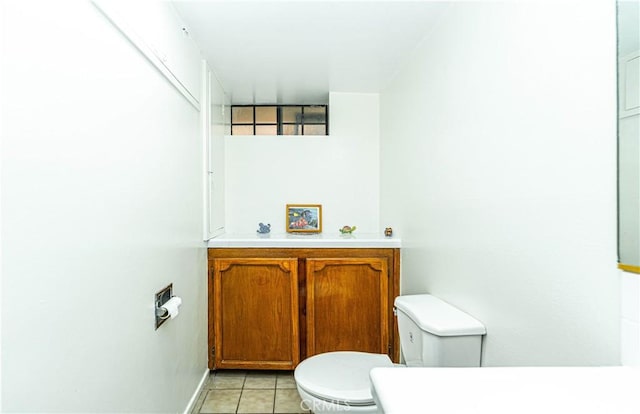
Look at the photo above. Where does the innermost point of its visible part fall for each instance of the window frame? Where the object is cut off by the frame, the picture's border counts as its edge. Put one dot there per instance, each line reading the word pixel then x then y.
pixel 280 123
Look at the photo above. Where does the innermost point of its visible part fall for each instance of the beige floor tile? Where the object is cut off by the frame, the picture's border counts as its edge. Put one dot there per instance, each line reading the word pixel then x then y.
pixel 227 382
pixel 285 381
pixel 256 401
pixel 221 401
pixel 264 373
pixel 230 373
pixel 288 401
pixel 198 404
pixel 260 381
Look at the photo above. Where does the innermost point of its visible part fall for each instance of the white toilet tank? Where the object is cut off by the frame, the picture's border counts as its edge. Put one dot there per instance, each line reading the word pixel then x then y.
pixel 436 334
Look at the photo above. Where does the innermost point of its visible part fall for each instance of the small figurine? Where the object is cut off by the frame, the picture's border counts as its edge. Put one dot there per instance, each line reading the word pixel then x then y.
pixel 388 232
pixel 348 229
pixel 263 229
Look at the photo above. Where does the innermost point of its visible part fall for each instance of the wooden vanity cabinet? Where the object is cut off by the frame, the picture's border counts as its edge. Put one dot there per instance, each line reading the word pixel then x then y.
pixel 347 305
pixel 270 308
pixel 255 313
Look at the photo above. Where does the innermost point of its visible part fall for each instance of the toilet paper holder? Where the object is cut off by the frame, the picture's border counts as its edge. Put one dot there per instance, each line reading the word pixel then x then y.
pixel 162 313
pixel 161 298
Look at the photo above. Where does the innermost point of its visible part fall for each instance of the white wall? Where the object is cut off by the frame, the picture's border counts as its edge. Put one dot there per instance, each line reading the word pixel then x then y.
pixel 629 190
pixel 629 319
pixel 339 171
pixel 101 208
pixel 502 131
pixel 629 156
pixel 2 94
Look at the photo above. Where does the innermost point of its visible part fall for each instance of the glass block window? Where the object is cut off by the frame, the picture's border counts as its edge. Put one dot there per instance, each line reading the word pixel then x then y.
pixel 279 120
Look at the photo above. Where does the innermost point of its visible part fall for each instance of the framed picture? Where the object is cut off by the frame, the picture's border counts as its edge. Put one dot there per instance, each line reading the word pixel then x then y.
pixel 304 218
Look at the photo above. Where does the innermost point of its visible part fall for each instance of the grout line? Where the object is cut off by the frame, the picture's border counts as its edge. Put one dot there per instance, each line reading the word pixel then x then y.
pixel 275 390
pixel 240 399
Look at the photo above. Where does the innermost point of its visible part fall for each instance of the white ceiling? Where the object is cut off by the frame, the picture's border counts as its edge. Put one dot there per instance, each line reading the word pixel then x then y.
pixel 297 51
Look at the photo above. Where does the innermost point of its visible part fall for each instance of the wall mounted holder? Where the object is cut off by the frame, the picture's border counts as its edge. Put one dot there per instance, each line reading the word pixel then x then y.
pixel 161 298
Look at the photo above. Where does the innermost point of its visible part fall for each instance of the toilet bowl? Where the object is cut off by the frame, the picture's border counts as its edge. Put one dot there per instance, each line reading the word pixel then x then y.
pixel 432 333
pixel 338 381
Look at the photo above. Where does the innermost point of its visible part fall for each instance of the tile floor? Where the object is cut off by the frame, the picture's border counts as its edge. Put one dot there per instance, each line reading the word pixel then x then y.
pixel 256 392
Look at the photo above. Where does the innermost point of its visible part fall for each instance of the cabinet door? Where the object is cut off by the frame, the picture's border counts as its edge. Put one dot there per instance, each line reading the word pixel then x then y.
pixel 256 313
pixel 347 305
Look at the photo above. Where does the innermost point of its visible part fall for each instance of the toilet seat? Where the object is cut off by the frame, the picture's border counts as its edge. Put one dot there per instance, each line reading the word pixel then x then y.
pixel 340 377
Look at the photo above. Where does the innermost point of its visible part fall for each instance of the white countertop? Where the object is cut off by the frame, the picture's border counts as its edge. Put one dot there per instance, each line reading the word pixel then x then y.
pixel 548 390
pixel 301 240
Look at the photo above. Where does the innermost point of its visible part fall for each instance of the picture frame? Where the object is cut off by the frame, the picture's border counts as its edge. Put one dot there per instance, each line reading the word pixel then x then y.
pixel 304 218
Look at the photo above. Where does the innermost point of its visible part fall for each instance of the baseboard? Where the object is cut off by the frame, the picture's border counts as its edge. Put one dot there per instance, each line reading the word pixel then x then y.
pixel 194 397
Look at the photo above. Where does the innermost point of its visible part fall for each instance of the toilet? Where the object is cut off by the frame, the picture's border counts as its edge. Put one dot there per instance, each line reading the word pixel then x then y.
pixel 432 334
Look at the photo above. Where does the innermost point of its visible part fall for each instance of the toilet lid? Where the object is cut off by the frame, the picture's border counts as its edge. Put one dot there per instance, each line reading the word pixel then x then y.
pixel 436 316
pixel 340 377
